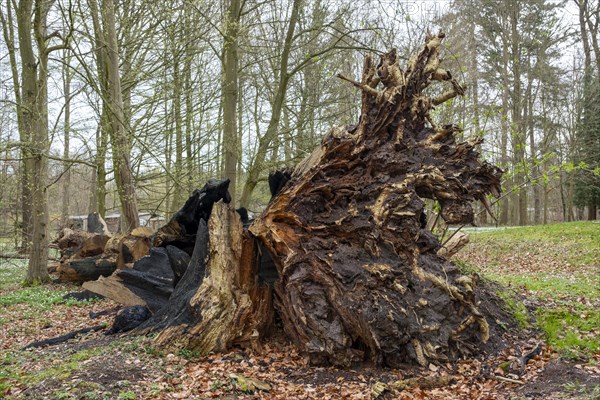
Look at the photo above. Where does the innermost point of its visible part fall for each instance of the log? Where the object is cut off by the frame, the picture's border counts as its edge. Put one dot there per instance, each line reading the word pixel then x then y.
pixel 149 282
pixel 70 241
pixel 133 246
pixel 88 269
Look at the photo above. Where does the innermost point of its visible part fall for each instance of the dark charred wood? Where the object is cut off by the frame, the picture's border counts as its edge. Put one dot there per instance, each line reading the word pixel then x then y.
pixel 177 310
pixel 129 318
pixel 87 269
pixel 151 279
pixel 277 180
pixel 94 315
pixel 243 213
pixel 181 229
pixel 63 338
pixel 225 308
pixel 179 261
pixel 267 271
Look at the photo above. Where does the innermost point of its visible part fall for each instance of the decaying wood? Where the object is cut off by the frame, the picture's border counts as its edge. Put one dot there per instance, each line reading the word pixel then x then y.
pixel 453 245
pixel 133 246
pixel 86 256
pixel 63 338
pixel 359 278
pixel 81 256
pixel 83 270
pixel 150 279
pixel 113 288
pixel 229 307
pixel 69 241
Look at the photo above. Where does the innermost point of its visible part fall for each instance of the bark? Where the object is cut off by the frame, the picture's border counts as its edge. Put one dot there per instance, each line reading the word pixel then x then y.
pixel 34 97
pixel 102 131
pixel 504 203
pixel 519 143
pixel 229 308
pixel 114 107
pixel 67 136
pixel 8 30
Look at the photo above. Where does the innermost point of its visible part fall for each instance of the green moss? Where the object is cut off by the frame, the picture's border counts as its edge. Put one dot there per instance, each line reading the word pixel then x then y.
pixel 127 395
pixel 11 374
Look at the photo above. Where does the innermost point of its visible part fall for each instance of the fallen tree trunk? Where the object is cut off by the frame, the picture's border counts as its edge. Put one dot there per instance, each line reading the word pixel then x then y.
pixel 358 276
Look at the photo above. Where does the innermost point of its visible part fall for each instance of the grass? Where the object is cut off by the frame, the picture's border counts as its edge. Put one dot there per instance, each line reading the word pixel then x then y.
pixel 576 244
pixel 557 266
pixel 38 298
pixel 27 368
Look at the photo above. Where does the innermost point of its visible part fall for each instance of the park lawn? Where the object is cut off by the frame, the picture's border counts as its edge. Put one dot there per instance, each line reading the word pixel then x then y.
pixel 556 270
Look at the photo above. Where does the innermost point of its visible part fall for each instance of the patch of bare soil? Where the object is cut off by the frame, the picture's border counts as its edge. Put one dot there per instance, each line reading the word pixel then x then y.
pixel 562 379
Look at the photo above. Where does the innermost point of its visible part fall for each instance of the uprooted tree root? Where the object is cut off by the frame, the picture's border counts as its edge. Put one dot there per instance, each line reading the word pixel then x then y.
pixel 358 277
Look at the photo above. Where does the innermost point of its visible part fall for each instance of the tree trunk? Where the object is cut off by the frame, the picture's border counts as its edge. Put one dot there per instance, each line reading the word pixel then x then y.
pixel 229 308
pixel 505 203
pixel 66 178
pixel 8 30
pixel 34 95
pixel 229 87
pixel 119 137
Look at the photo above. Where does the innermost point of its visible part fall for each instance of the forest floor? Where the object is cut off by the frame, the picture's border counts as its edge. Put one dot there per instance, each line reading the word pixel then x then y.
pixel 553 289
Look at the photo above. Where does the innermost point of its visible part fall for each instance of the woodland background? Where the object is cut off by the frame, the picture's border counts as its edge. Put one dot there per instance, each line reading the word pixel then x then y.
pixel 130 105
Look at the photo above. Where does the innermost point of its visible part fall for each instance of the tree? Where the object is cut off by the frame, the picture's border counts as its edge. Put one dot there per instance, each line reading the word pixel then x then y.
pixel 229 87
pixel 114 107
pixel 8 30
pixel 588 137
pixel 34 117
